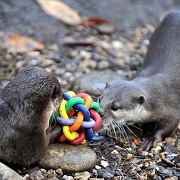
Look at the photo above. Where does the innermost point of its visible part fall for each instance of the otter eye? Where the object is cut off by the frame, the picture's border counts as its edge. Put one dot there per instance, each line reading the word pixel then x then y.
pixel 114 108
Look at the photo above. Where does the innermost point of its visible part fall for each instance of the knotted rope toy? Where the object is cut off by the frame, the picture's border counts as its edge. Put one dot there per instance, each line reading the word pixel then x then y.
pixel 79 117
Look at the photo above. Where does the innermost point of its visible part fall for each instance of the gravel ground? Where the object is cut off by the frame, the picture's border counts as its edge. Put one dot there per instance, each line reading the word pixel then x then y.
pixel 121 52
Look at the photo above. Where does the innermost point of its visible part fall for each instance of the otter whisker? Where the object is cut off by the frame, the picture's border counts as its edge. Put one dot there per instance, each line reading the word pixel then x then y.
pixel 111 130
pixel 134 126
pixel 127 138
pixel 130 130
pixel 114 130
pixel 121 130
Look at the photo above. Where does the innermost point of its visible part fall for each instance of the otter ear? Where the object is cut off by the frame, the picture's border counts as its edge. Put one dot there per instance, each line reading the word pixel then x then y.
pixel 141 99
pixel 107 84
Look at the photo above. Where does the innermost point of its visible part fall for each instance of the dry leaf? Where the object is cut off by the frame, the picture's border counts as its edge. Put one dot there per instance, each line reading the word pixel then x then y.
pixel 94 21
pixel 136 141
pixel 60 11
pixel 14 43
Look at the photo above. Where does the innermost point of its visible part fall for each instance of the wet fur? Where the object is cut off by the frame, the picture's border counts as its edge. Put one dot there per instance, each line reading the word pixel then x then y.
pixel 26 104
pixel 153 95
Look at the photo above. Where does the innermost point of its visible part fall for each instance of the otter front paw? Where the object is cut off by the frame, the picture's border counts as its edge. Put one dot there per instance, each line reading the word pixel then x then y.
pixel 149 142
pixel 53 132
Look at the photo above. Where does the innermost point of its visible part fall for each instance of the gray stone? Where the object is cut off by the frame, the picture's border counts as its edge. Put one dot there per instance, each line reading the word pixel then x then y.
pixel 94 82
pixel 71 158
pixel 8 173
pixel 82 175
pixel 105 28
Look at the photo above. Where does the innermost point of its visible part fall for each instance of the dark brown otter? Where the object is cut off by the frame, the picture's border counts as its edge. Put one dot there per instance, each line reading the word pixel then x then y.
pixel 153 95
pixel 26 104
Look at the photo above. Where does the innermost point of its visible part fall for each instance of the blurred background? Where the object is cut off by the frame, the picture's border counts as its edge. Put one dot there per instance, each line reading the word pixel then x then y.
pixel 76 39
pixel 27 17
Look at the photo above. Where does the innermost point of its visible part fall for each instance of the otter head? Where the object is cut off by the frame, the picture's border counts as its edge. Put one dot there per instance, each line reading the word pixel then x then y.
pixel 122 101
pixel 33 94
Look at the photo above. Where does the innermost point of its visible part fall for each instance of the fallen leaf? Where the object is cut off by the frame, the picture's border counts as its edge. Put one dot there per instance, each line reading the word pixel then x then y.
pixel 14 43
pixel 60 11
pixel 81 42
pixel 136 141
pixel 93 21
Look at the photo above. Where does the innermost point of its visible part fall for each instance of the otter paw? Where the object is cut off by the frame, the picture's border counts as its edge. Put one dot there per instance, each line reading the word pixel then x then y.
pixel 148 143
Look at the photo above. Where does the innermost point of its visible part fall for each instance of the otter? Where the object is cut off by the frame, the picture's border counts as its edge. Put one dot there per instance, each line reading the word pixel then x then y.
pixel 26 104
pixel 153 95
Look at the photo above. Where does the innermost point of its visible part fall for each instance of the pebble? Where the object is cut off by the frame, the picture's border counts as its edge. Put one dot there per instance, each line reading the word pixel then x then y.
pixel 103 65
pixel 156 149
pixel 68 158
pixel 104 163
pixel 117 44
pixel 172 178
pixel 82 175
pixel 33 54
pixel 129 156
pixel 145 153
pixel 97 167
pixel 105 28
pixel 85 54
pixel 115 152
pixel 170 141
pixel 104 45
pixel 106 173
pixel 66 177
pixel 59 171
pixel 166 173
pixel 36 175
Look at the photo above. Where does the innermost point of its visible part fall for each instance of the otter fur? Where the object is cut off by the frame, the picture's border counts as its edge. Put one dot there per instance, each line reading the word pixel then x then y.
pixel 26 104
pixel 153 95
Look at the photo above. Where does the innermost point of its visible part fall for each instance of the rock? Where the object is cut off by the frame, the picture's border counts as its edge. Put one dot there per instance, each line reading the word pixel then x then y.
pixel 103 65
pixel 105 28
pixel 117 44
pixel 71 41
pixel 65 177
pixel 8 173
pixel 94 82
pixel 170 141
pixel 166 173
pixel 106 173
pixel 172 178
pixel 168 162
pixel 171 149
pixel 82 175
pixel 59 171
pixel 36 175
pixel 104 163
pixel 68 158
pixel 97 167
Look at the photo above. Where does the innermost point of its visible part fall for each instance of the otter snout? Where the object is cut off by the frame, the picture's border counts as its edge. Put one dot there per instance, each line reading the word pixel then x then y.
pixel 101 113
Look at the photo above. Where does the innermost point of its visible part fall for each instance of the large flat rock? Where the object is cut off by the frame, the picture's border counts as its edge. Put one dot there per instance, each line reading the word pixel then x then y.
pixel 71 158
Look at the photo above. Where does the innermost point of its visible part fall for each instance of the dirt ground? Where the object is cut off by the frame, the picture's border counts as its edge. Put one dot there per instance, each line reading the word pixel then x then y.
pixel 27 18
